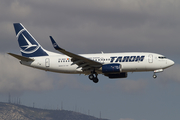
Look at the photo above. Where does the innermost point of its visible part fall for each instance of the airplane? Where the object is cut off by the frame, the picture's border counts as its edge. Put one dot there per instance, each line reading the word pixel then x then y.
pixel 112 65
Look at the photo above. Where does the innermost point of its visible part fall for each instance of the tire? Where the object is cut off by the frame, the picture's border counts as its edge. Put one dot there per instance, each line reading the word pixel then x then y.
pixel 95 80
pixel 91 76
pixel 154 76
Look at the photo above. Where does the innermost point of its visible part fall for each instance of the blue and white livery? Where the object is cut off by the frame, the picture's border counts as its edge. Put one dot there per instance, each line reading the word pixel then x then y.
pixel 112 65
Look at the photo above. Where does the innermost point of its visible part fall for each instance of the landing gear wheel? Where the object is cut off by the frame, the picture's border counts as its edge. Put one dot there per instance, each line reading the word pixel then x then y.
pixel 91 76
pixel 95 80
pixel 154 76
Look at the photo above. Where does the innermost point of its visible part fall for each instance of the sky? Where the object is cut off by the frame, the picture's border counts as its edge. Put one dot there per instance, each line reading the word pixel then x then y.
pixel 92 26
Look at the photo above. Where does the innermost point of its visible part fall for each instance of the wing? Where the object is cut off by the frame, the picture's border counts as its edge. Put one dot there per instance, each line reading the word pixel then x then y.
pixel 85 63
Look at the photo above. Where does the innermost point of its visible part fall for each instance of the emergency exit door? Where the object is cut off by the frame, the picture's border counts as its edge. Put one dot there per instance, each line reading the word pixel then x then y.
pixel 47 62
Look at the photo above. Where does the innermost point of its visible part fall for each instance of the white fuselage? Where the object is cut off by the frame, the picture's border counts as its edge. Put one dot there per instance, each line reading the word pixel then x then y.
pixel 129 61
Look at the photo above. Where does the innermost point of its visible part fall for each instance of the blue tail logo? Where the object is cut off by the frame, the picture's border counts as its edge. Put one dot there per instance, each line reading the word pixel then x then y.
pixel 29 46
pixel 26 45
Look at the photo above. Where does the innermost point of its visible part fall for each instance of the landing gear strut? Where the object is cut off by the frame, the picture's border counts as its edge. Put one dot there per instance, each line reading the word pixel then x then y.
pixel 93 77
pixel 157 71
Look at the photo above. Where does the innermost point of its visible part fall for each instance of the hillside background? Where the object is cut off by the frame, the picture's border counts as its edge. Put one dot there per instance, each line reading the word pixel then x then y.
pixel 9 111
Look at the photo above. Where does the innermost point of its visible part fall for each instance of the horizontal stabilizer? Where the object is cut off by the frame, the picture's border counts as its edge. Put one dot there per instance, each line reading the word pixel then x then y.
pixel 21 57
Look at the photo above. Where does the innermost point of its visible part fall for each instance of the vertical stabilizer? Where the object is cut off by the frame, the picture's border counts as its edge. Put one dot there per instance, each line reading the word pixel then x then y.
pixel 29 47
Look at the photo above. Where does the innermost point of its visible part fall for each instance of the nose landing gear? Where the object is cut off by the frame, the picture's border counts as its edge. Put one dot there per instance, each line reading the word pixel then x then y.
pixel 157 71
pixel 154 76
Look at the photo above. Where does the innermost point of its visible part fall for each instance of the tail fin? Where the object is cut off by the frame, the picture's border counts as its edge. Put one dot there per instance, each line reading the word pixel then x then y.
pixel 27 43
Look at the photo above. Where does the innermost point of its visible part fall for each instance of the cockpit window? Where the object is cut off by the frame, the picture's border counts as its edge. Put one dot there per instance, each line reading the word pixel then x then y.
pixel 161 57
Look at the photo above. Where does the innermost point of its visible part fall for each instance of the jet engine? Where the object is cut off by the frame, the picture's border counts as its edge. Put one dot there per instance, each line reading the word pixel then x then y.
pixel 111 68
pixel 113 71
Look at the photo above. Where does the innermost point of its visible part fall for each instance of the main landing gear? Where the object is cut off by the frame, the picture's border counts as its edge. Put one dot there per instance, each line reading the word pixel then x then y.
pixel 93 77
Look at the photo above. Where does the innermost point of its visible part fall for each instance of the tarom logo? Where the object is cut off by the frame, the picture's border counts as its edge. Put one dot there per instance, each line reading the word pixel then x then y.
pixel 28 47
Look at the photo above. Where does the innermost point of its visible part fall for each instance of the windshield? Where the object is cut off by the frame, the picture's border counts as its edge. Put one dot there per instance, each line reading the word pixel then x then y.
pixel 161 57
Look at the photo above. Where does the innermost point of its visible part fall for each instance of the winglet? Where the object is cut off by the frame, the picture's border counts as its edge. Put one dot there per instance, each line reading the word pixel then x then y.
pixel 55 45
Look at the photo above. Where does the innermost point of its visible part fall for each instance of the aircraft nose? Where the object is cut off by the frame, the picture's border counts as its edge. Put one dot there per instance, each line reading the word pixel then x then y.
pixel 170 63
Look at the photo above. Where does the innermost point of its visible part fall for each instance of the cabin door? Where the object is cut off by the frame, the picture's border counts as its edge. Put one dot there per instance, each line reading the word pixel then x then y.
pixel 150 59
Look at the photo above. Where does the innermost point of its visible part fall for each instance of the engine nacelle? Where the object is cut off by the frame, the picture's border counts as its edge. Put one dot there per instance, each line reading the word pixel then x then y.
pixel 111 68
pixel 120 75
